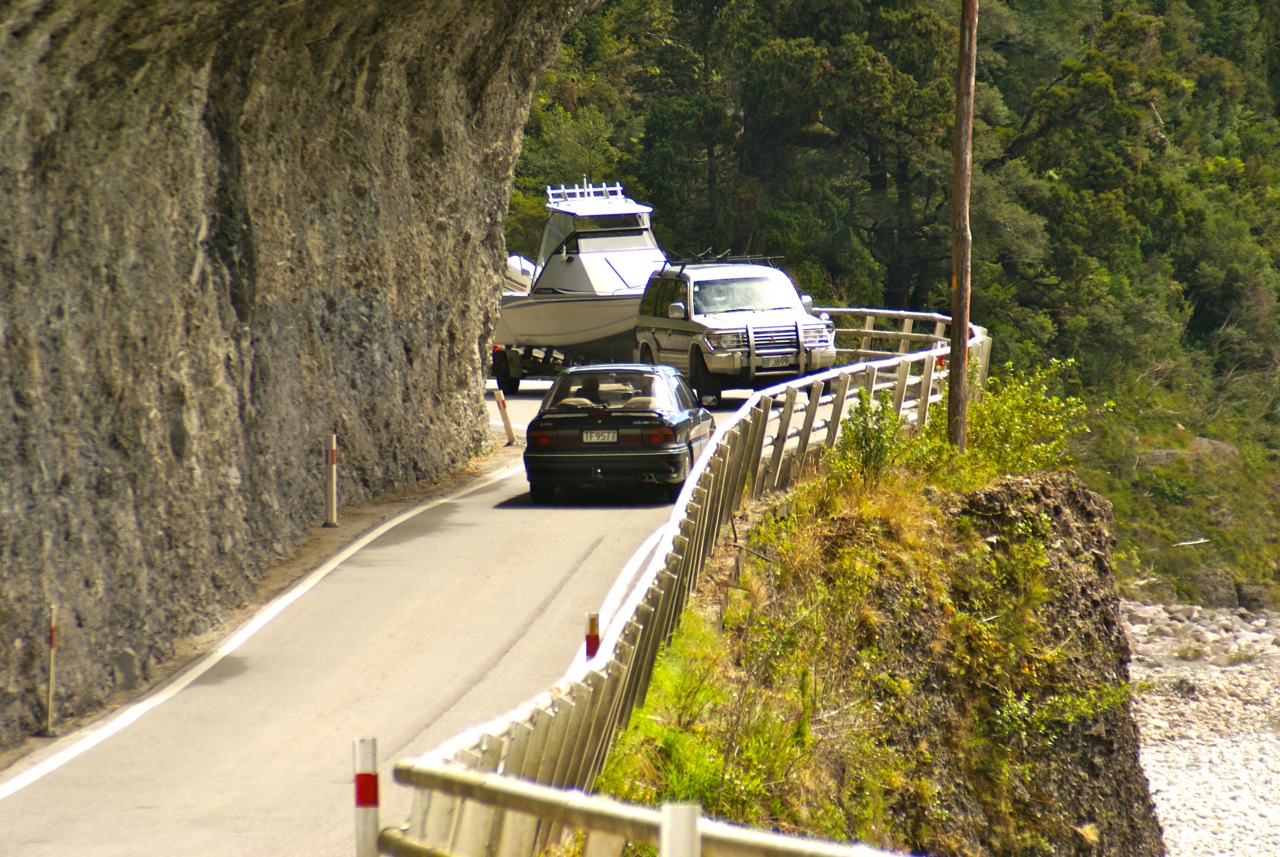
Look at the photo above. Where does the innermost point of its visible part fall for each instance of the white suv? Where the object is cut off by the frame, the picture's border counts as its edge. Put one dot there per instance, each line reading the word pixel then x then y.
pixel 731 324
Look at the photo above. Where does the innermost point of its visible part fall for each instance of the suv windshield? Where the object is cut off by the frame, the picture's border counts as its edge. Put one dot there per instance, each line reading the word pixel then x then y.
pixel 747 294
pixel 614 390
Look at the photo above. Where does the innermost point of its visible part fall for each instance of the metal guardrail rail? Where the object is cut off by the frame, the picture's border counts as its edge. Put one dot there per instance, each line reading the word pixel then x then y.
pixel 468 798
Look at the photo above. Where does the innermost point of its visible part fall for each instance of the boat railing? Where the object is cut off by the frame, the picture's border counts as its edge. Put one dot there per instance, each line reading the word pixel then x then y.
pixel 589 191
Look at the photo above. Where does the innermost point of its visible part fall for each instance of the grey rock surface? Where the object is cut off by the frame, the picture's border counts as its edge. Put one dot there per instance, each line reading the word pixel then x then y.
pixel 228 231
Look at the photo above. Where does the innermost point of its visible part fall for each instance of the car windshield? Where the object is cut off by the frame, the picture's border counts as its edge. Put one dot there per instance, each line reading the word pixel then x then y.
pixel 611 390
pixel 744 294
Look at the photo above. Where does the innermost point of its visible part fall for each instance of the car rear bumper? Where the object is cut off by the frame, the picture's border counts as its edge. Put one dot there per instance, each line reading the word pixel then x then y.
pixel 571 469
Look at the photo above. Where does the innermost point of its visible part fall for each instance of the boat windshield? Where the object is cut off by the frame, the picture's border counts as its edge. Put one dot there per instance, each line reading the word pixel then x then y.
pixel 612 391
pixel 744 294
pixel 609 221
pixel 616 239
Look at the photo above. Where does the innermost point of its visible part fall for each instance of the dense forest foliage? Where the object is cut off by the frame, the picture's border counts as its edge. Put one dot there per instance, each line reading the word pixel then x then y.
pixel 1125 206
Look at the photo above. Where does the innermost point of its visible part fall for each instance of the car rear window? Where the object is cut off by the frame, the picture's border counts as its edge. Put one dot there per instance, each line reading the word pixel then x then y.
pixel 611 390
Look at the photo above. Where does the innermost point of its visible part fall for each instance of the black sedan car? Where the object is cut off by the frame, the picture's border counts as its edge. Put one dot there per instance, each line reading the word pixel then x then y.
pixel 617 424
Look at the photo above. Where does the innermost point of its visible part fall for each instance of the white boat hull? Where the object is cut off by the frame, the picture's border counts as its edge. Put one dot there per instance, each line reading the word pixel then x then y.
pixel 601 326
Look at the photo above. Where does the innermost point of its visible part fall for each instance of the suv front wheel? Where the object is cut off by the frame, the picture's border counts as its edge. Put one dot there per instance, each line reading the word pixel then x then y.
pixel 700 377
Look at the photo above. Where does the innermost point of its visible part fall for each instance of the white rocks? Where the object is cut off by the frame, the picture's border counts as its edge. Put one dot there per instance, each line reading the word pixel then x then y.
pixel 1208 711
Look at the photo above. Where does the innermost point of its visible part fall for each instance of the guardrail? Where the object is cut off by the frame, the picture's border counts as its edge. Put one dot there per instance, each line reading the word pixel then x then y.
pixel 560 739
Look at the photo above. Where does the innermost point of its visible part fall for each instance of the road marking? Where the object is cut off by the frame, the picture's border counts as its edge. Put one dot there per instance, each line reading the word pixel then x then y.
pixel 81 743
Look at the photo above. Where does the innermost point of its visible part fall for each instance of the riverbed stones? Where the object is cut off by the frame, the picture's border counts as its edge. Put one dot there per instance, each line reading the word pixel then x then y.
pixel 1208 712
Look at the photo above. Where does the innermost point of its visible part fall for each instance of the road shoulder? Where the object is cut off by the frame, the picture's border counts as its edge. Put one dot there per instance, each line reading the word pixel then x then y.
pixel 316 548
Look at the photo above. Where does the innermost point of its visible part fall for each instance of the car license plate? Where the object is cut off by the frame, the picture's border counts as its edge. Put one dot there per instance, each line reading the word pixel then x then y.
pixel 776 362
pixel 600 436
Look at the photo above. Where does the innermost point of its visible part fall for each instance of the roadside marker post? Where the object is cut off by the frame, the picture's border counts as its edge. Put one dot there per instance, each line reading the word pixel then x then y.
pixel 331 483
pixel 49 731
pixel 593 634
pixel 366 784
pixel 678 834
pixel 506 418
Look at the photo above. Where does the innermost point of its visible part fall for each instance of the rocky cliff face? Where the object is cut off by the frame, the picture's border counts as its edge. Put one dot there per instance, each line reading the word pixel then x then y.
pixel 229 230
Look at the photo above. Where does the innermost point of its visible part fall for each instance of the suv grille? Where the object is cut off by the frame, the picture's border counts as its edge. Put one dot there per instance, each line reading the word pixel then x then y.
pixel 776 337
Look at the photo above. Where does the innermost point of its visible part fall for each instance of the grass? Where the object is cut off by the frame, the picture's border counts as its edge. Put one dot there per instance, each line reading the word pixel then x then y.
pixel 880 669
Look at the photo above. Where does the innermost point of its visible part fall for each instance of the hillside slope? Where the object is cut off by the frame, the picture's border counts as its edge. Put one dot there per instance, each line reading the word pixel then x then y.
pixel 948 677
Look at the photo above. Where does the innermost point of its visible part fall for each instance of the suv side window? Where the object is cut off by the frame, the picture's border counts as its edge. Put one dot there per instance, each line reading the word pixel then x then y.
pixel 652 294
pixel 675 292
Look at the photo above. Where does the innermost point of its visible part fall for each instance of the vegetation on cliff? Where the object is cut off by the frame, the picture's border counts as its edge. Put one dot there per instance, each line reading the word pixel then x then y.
pixel 1125 199
pixel 946 675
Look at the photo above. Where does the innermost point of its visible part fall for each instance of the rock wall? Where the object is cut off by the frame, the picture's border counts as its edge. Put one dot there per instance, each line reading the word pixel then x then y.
pixel 228 230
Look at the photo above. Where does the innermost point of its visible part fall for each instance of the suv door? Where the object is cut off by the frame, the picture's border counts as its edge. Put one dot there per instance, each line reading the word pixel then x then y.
pixel 680 331
pixel 665 328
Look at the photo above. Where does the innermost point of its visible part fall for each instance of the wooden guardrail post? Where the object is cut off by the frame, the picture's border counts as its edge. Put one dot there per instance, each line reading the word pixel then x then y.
pixel 840 394
pixel 760 433
pixel 772 474
pixel 925 394
pixel 869 325
pixel 806 430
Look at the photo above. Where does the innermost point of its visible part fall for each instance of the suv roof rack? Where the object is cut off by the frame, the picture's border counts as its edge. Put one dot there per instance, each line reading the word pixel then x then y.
pixel 704 258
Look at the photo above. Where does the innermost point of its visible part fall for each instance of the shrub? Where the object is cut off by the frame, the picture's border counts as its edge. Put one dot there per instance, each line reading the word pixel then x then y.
pixel 1019 426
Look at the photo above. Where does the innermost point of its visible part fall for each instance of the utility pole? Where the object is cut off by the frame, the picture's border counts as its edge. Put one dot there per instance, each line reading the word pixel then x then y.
pixel 961 239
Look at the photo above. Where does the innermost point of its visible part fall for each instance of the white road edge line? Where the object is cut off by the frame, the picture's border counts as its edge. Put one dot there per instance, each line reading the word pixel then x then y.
pixel 82 743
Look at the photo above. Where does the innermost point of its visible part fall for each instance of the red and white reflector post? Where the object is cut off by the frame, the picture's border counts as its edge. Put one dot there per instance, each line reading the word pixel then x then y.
pixel 48 731
pixel 593 634
pixel 366 764
pixel 506 418
pixel 331 482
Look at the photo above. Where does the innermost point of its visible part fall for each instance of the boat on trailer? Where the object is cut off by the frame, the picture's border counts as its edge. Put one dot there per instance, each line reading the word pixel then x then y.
pixel 580 299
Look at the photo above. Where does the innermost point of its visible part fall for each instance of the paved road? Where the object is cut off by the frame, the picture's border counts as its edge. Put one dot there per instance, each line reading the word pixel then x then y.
pixel 455 615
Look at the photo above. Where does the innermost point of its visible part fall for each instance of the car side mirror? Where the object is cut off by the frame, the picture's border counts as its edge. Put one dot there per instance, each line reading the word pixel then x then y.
pixel 807 302
pixel 677 310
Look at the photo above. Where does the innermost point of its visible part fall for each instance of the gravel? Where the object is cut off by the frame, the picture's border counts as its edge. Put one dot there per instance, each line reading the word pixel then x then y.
pixel 1208 711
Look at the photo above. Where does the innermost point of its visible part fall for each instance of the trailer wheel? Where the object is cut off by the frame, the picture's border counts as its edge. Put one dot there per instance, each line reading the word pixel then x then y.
pixel 646 354
pixel 502 372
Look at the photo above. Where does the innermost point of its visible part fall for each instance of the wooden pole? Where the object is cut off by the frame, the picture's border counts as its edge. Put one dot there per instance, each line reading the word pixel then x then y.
pixel 961 239
pixel 49 731
pixel 331 482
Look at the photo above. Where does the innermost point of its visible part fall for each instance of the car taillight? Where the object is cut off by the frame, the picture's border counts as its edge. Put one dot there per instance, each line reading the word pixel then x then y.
pixel 547 437
pixel 657 436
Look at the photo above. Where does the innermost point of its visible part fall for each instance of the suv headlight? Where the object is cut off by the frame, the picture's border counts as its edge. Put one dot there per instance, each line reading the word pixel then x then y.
pixel 728 339
pixel 817 336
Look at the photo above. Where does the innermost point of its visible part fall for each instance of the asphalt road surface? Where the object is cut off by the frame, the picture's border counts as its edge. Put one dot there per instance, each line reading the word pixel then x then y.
pixel 458 613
